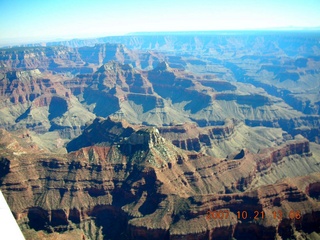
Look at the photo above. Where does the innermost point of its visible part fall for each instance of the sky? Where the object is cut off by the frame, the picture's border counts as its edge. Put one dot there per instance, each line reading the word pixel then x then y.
pixel 40 20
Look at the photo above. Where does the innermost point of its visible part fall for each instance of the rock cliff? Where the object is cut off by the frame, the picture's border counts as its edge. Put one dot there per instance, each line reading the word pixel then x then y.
pixel 39 101
pixel 81 60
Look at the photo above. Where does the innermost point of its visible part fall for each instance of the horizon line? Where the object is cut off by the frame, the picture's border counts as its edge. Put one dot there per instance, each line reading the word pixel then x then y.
pixel 13 42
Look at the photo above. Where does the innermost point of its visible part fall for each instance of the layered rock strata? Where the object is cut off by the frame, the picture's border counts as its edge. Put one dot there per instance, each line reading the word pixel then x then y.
pixel 155 190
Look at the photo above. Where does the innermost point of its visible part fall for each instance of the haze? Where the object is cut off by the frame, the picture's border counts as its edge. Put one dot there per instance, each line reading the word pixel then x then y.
pixel 37 20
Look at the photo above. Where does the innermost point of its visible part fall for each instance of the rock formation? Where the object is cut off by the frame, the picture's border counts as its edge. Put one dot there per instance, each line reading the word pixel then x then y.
pixel 82 60
pixel 39 102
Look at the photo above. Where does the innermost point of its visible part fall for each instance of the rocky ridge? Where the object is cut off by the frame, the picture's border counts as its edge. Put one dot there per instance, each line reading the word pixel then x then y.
pixel 218 141
pixel 82 60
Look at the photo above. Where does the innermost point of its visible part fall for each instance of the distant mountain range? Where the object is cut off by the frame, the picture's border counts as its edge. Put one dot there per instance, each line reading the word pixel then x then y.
pixel 57 41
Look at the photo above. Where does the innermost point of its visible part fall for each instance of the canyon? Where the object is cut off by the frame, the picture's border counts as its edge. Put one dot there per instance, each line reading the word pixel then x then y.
pixel 170 136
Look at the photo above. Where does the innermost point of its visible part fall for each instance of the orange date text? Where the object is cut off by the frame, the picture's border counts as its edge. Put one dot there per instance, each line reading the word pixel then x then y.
pixel 218 214
pixel 252 215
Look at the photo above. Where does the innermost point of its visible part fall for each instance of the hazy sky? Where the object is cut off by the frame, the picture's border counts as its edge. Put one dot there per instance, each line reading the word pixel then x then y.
pixel 47 19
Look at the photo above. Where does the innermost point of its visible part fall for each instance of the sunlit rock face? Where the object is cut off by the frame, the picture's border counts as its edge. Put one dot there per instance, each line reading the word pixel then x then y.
pixel 148 136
